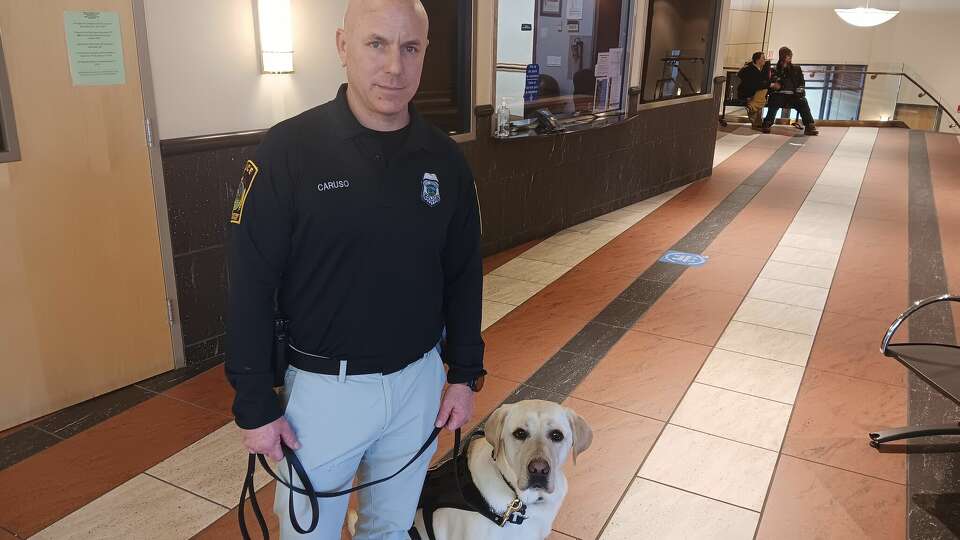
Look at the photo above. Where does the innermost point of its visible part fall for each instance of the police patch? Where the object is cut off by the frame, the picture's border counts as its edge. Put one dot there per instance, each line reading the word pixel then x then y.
pixel 431 189
pixel 250 171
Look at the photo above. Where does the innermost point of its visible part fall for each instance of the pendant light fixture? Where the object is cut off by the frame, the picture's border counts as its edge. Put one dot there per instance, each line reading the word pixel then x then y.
pixel 865 16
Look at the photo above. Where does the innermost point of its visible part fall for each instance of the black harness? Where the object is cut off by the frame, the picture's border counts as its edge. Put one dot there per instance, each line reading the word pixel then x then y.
pixel 450 485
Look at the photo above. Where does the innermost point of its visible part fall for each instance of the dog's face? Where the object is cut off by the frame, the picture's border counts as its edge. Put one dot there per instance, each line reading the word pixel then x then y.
pixel 532 439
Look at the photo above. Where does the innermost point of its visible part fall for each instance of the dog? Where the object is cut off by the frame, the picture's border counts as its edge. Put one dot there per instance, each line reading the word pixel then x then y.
pixel 520 457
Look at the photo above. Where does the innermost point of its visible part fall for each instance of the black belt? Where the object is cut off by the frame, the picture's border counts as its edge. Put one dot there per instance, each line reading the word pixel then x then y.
pixel 324 365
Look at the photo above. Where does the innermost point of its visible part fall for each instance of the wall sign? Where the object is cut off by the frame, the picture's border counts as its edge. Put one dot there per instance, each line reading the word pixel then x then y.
pixel 550 8
pixel 532 87
pixel 526 27
pixel 95 47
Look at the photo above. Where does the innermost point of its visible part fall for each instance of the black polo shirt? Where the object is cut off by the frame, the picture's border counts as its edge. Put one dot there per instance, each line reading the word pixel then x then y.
pixel 371 257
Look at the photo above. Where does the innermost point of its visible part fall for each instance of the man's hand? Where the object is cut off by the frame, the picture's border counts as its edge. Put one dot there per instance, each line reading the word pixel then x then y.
pixel 266 439
pixel 776 86
pixel 457 407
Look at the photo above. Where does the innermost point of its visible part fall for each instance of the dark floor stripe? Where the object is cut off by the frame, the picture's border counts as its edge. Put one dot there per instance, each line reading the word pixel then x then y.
pixel 575 360
pixel 564 371
pixel 933 480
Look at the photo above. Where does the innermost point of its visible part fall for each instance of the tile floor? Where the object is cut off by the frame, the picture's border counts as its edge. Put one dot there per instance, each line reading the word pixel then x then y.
pixel 736 406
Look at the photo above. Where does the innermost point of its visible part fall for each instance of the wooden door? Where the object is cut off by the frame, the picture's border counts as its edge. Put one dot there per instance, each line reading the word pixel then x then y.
pixel 83 308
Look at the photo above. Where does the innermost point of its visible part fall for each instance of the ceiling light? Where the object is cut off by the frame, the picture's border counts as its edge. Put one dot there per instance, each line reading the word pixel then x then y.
pixel 865 16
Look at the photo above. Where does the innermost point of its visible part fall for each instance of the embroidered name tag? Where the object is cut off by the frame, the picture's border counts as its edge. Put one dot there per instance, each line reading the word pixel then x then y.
pixel 336 184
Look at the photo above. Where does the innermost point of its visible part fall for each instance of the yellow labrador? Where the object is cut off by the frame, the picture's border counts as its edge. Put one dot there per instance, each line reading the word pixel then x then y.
pixel 526 444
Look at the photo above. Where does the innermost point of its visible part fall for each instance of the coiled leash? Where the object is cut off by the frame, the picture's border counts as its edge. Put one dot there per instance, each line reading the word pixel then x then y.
pixel 294 465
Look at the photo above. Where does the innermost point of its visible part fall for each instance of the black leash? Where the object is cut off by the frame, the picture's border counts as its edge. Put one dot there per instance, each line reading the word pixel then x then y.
pixel 294 464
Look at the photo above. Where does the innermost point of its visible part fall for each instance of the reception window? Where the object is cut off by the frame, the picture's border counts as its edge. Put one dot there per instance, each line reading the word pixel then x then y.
pixel 563 56
pixel 9 148
pixel 681 37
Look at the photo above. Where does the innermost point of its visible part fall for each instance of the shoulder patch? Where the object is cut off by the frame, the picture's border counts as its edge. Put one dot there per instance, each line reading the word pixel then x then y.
pixel 250 171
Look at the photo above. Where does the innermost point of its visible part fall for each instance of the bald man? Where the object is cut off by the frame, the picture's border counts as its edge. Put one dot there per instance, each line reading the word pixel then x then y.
pixel 361 222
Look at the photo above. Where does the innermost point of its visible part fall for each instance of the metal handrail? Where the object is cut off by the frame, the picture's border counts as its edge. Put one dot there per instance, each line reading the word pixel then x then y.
pixel 956 123
pixel 919 304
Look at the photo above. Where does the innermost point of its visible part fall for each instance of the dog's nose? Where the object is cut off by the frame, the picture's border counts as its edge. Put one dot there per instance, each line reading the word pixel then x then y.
pixel 539 467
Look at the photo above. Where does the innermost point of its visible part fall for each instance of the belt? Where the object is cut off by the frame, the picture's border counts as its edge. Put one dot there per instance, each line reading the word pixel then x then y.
pixel 325 365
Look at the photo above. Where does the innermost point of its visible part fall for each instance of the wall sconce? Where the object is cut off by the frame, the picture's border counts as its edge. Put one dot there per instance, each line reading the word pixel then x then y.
pixel 275 32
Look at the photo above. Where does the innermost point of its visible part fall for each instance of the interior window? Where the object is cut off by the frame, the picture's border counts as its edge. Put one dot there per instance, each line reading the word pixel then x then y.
pixel 563 56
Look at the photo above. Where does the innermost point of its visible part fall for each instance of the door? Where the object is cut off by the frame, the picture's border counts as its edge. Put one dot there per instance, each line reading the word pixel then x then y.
pixel 84 308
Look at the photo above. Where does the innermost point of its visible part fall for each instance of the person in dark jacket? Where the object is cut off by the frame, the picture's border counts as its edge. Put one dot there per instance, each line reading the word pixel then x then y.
pixel 754 81
pixel 787 87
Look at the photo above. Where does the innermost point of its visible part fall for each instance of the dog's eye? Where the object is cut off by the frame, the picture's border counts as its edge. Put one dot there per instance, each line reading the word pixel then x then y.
pixel 556 435
pixel 520 434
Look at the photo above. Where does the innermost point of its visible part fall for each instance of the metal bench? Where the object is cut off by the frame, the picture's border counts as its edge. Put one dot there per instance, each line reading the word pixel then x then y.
pixel 938 364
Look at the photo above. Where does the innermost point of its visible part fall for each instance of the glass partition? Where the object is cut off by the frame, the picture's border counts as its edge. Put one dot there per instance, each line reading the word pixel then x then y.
pixel 567 57
pixel 881 92
pixel 679 51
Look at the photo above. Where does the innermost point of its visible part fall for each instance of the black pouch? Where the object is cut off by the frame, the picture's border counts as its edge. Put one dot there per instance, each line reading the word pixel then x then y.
pixel 279 361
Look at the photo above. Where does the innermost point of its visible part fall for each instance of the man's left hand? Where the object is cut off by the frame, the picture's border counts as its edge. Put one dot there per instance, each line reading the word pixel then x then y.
pixel 456 408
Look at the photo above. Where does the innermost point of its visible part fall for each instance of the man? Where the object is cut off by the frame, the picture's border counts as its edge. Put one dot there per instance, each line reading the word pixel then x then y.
pixel 754 80
pixel 363 220
pixel 788 88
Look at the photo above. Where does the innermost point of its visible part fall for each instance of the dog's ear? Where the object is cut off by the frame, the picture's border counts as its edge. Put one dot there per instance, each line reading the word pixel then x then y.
pixel 493 428
pixel 582 434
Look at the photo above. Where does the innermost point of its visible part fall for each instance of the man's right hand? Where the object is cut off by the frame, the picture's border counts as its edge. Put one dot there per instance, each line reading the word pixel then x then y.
pixel 776 86
pixel 266 439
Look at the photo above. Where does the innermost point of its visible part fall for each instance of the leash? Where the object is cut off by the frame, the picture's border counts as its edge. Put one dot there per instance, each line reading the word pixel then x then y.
pixel 294 465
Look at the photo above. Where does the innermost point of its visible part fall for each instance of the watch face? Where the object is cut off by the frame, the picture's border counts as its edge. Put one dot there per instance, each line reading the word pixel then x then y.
pixel 477 384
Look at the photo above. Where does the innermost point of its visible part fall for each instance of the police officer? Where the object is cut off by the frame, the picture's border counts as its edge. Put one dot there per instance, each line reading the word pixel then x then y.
pixel 364 221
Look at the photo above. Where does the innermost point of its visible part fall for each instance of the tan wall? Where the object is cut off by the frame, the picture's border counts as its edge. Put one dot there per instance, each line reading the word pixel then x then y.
pixel 206 68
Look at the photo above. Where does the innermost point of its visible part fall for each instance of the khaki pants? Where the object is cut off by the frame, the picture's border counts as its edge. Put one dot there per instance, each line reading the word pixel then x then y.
pixel 363 425
pixel 755 106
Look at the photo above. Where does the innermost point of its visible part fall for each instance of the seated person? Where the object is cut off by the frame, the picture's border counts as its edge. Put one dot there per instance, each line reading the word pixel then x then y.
pixel 787 89
pixel 754 79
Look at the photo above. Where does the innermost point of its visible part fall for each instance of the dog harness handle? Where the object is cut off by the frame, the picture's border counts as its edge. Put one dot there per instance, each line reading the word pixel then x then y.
pixel 294 465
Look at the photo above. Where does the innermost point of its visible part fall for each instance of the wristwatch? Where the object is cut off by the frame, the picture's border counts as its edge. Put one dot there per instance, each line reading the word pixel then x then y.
pixel 476 384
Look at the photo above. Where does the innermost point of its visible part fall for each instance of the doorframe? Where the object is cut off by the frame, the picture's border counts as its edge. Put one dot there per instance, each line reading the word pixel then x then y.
pixel 159 184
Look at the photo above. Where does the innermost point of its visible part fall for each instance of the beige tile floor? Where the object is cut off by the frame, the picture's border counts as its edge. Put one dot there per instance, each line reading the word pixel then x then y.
pixel 719 449
pixel 183 494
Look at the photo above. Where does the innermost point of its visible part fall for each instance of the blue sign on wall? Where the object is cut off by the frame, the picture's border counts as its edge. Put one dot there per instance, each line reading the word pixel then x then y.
pixel 532 88
pixel 685 259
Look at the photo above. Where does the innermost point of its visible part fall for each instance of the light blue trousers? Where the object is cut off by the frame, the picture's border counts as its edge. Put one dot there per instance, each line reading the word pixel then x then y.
pixel 366 426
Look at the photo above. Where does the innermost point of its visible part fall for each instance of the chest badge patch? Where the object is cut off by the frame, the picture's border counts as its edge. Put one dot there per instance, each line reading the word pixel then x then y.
pixel 431 189
pixel 250 171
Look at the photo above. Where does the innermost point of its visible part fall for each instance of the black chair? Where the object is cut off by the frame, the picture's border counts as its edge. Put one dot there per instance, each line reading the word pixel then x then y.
pixel 938 364
pixel 549 87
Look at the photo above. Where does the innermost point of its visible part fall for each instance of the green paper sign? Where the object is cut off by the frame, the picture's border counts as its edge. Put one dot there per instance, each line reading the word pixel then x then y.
pixel 95 47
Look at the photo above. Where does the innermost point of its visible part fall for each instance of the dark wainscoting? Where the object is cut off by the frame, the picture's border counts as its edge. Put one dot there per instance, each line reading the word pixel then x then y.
pixel 528 189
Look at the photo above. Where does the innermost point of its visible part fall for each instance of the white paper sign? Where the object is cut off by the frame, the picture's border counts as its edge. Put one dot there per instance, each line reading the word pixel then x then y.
pixel 554 61
pixel 602 69
pixel 615 67
pixel 575 10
